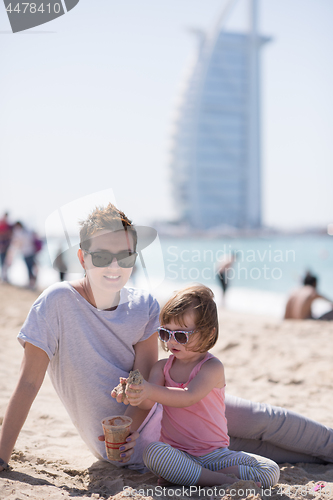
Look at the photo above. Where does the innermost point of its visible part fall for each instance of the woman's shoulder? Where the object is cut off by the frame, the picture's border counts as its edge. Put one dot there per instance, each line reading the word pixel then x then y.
pixel 55 292
pixel 139 297
pixel 53 300
pixel 138 293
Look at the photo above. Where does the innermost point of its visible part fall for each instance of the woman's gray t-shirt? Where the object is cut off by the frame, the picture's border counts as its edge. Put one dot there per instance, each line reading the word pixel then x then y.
pixel 89 349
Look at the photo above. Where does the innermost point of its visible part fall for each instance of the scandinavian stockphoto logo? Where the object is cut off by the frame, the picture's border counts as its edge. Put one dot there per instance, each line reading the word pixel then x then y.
pixel 25 15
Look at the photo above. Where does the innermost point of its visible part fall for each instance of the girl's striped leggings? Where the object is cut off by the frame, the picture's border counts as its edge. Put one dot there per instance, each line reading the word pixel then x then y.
pixel 179 467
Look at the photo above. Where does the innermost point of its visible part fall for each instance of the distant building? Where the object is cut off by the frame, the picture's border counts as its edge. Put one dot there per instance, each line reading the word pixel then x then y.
pixel 215 157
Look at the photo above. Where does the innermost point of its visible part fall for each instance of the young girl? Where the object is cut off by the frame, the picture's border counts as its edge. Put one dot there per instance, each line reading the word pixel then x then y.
pixel 190 386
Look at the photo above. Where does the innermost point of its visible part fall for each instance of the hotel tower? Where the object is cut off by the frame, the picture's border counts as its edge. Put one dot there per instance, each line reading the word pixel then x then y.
pixel 215 154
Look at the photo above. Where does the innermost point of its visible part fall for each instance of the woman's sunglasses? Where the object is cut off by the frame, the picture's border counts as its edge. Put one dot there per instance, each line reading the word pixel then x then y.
pixel 179 336
pixel 103 258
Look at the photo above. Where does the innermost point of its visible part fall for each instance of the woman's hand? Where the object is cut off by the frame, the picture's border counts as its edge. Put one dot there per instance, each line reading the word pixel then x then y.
pixel 120 396
pixel 126 449
pixel 136 394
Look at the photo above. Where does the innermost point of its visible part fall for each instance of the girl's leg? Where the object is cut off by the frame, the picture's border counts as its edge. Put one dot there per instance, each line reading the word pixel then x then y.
pixel 250 467
pixel 178 467
pixel 277 433
pixel 174 465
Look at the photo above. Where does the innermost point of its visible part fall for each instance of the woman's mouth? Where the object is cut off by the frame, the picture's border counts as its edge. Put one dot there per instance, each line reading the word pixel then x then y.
pixel 111 277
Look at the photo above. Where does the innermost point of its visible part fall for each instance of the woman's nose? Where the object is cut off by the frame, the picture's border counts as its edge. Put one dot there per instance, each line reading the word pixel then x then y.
pixel 114 263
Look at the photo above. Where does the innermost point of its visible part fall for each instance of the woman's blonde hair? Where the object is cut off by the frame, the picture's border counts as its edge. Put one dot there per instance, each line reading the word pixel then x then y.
pixel 200 300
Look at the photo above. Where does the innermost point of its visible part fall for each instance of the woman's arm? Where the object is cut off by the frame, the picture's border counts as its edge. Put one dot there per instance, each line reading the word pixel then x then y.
pixel 146 355
pixel 156 377
pixel 210 375
pixel 33 368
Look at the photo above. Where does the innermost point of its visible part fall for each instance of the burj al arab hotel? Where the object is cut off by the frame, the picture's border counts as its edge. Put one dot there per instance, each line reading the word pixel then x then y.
pixel 215 154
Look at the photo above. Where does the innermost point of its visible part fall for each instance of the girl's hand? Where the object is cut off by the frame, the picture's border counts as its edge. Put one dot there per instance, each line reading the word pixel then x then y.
pixel 126 449
pixel 136 394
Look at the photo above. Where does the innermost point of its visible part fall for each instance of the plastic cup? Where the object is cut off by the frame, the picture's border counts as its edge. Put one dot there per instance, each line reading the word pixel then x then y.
pixel 116 429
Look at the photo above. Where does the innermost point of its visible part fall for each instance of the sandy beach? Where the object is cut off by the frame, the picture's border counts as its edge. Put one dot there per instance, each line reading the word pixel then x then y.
pixel 282 363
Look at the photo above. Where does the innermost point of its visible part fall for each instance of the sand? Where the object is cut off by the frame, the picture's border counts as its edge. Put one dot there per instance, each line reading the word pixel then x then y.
pixel 283 363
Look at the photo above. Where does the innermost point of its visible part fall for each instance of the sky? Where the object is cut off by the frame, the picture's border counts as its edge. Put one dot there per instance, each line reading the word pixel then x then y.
pixel 88 100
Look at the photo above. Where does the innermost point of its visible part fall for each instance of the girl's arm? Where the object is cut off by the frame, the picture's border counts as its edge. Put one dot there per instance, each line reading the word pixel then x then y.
pixel 211 375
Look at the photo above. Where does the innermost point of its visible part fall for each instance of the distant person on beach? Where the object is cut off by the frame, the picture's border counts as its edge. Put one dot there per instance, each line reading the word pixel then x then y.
pixel 60 264
pixel 6 230
pixel 300 301
pixel 89 332
pixel 223 266
pixel 190 385
pixel 24 242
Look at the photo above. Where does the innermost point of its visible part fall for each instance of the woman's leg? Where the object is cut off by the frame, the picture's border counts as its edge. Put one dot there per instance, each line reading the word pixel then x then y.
pixel 250 467
pixel 277 433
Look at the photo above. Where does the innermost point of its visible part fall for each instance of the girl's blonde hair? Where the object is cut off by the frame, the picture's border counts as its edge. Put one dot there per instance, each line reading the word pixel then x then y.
pixel 200 300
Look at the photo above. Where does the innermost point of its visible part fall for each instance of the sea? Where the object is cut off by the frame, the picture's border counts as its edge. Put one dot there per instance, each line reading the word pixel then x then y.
pixel 266 269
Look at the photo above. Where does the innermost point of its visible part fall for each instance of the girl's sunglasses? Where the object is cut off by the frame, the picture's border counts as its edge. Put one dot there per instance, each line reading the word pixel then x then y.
pixel 103 258
pixel 179 336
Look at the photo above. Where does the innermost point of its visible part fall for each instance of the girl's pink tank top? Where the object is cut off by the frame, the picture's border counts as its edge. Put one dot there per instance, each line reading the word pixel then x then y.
pixel 197 429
